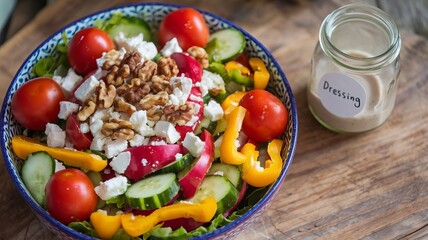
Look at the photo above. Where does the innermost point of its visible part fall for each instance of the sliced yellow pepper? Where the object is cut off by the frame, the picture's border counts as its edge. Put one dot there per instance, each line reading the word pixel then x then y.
pixel 231 102
pixel 105 226
pixel 261 74
pixel 253 173
pixel 201 212
pixel 23 146
pixel 229 153
pixel 237 66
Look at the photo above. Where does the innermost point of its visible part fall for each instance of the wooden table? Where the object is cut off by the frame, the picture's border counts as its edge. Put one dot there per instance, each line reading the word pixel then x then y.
pixel 371 186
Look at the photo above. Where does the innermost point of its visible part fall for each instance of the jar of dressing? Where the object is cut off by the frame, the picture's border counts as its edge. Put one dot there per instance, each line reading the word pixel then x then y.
pixel 355 66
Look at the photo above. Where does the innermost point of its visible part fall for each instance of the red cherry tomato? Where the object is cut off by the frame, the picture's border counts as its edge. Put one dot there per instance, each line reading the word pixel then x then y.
pixel 85 47
pixel 79 140
pixel 70 196
pixel 36 103
pixel 266 116
pixel 187 25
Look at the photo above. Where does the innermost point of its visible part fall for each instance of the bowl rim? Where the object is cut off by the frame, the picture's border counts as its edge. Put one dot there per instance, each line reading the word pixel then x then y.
pixel 222 230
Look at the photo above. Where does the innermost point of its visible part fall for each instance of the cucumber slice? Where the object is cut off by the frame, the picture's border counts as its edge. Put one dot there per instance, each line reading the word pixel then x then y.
pixel 207 124
pixel 220 188
pixel 225 44
pixel 178 164
pixel 152 192
pixel 232 173
pixel 130 27
pixel 36 171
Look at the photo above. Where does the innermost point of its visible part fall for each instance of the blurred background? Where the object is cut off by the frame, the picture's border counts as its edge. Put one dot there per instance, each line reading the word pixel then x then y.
pixel 411 15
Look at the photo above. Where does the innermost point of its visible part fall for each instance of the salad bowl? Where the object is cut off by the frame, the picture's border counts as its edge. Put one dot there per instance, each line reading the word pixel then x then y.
pixel 153 14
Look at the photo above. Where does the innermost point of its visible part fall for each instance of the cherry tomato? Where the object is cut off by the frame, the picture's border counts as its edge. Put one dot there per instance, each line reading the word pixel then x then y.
pixel 70 196
pixel 187 25
pixel 266 116
pixel 36 103
pixel 85 47
pixel 79 140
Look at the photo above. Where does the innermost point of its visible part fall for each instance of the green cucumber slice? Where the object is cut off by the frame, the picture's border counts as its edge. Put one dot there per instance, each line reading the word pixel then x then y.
pixel 220 188
pixel 36 171
pixel 152 192
pixel 130 27
pixel 225 45
pixel 178 164
pixel 232 173
pixel 207 124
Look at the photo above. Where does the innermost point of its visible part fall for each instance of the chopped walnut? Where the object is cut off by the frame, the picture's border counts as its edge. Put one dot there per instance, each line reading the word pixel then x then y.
pixel 135 91
pixel 86 111
pixel 200 55
pixel 111 59
pixel 118 75
pixel 106 95
pixel 167 67
pixel 132 59
pixel 179 115
pixel 122 106
pixel 155 113
pixel 146 70
pixel 161 83
pixel 118 129
pixel 150 100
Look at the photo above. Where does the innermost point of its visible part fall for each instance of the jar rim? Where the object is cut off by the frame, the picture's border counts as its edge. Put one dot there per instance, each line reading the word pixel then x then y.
pixel 357 12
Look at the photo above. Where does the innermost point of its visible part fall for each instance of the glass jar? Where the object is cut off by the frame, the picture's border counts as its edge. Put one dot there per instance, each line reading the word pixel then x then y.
pixel 355 66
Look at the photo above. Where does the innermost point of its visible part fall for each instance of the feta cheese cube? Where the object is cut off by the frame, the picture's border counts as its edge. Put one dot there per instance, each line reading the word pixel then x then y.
pixel 213 111
pixel 66 108
pixel 138 140
pixel 84 127
pixel 121 162
pixel 96 127
pixel 112 187
pixel 139 123
pixel 181 91
pixel 167 130
pixel 59 166
pixel 98 142
pixel 70 81
pixel 210 81
pixel 194 144
pixel 147 50
pixel 192 121
pixel 87 88
pixel 172 46
pixel 113 148
pixel 55 135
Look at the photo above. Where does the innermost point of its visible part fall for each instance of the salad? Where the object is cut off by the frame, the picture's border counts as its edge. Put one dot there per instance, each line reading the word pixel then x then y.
pixel 133 132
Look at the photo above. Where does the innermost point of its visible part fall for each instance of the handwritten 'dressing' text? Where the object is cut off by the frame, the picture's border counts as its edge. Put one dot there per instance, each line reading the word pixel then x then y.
pixel 341 94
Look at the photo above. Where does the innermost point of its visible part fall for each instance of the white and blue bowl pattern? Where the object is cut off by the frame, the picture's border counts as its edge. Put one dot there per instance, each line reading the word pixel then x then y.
pixel 153 13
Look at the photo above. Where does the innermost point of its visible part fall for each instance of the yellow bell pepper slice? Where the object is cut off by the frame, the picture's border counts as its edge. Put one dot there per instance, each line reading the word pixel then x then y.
pixel 237 66
pixel 261 74
pixel 203 211
pixel 231 102
pixel 253 173
pixel 229 153
pixel 23 146
pixel 105 226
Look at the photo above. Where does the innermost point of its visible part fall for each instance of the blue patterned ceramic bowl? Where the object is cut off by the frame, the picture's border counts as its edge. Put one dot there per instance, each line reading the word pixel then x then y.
pixel 153 14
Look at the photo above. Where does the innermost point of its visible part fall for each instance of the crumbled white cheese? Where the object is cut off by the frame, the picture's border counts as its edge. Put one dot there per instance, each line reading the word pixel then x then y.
pixel 55 135
pixel 113 148
pixel 172 46
pixel 70 81
pixel 147 50
pixel 213 111
pixel 138 140
pixel 219 173
pixel 197 107
pixel 192 121
pixel 139 123
pixel 98 142
pixel 121 162
pixel 84 127
pixel 87 88
pixel 178 156
pixel 112 187
pixel 195 98
pixel 144 162
pixel 158 143
pixel 194 144
pixel 210 81
pixel 66 108
pixel 95 127
pixel 59 166
pixel 181 91
pixel 167 130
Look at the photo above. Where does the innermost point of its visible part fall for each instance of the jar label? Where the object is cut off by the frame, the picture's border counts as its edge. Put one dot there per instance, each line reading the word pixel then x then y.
pixel 341 95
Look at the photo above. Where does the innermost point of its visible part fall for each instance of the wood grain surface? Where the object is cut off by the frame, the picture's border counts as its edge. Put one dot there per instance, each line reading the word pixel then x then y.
pixel 366 186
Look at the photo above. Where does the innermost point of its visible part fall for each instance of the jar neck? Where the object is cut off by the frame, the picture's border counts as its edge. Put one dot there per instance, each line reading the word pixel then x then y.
pixel 360 37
